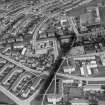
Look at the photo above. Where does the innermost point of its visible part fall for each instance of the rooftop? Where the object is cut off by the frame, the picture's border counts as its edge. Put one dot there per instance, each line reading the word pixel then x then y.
pixel 102 13
pixel 76 100
pixel 54 95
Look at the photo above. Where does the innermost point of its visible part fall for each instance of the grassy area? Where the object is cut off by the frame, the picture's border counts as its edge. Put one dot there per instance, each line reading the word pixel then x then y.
pixel 4 98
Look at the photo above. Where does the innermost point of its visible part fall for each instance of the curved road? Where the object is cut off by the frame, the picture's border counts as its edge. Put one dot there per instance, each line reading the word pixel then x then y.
pixel 38 28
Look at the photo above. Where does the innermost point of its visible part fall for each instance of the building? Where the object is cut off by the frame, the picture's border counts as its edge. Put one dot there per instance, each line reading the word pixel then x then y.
pixel 22 77
pixel 103 59
pixel 68 69
pixel 76 92
pixel 6 67
pixel 102 15
pixel 95 11
pixel 2 60
pixel 79 102
pixel 25 93
pixel 54 98
pixel 19 39
pixel 42 46
pixel 85 58
pixel 11 40
pixel 96 82
pixel 43 36
pixel 64 21
pixel 101 102
pixel 35 84
pixel 68 81
pixel 79 50
pixel 10 74
pixel 24 51
pixel 92 88
pixel 91 17
pixel 18 46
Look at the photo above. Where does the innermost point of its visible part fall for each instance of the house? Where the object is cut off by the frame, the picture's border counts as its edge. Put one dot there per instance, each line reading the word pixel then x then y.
pixel 77 101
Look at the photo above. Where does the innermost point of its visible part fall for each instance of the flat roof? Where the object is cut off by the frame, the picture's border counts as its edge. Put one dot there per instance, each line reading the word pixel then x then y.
pixel 79 101
pixel 54 95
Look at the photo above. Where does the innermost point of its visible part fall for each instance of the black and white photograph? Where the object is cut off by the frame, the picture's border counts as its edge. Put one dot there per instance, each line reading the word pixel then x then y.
pixel 52 52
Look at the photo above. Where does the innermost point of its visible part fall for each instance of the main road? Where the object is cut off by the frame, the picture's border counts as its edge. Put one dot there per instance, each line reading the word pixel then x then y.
pixel 36 72
pixel 45 74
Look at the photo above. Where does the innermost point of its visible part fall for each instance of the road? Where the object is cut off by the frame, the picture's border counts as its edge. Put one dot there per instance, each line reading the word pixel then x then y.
pixel 59 75
pixel 65 76
pixel 51 82
pixel 35 72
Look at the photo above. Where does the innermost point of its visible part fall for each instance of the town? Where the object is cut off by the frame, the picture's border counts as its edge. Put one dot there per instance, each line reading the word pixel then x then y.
pixel 52 52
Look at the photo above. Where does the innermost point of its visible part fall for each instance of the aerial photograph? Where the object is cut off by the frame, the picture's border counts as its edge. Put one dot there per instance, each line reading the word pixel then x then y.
pixel 52 52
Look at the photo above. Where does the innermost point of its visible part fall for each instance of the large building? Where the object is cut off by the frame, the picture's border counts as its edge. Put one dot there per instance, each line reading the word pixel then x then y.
pixel 86 19
pixel 92 88
pixel 79 102
pixel 54 98
pixel 42 46
pixel 102 15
